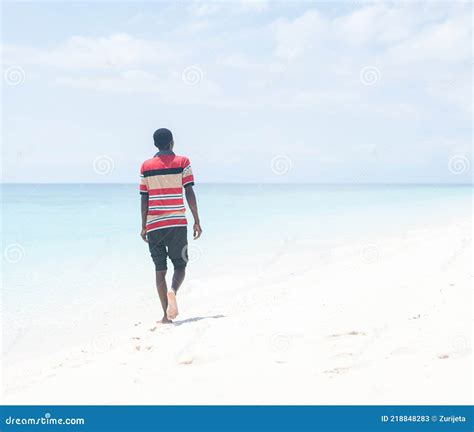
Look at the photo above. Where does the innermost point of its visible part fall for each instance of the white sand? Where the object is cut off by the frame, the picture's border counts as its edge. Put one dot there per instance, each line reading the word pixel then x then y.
pixel 388 322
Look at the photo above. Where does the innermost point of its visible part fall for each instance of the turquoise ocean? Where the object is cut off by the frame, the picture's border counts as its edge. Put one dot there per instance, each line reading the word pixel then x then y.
pixel 68 248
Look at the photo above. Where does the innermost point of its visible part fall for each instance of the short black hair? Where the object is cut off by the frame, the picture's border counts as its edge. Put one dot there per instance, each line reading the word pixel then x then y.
pixel 163 138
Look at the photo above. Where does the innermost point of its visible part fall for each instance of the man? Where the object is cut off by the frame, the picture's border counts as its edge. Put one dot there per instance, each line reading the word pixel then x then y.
pixel 163 216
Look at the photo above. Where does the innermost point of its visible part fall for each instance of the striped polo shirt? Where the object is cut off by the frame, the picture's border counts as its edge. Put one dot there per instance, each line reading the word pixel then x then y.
pixel 162 178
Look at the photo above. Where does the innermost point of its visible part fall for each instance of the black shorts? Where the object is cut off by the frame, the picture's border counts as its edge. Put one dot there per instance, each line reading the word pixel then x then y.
pixel 169 242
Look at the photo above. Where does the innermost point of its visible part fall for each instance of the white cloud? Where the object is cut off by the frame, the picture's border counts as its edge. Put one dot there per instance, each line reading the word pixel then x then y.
pixel 201 8
pixel 170 86
pixel 115 51
pixel 191 29
pixel 295 37
pixel 400 31
pixel 254 5
pixel 292 75
pixel 377 24
pixel 313 60
pixel 240 61
pixel 447 41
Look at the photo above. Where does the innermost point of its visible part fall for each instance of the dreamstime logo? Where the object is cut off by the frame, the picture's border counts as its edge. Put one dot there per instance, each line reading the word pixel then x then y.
pixel 14 253
pixel 370 253
pixel 14 75
pixel 191 253
pixel 281 164
pixel 459 164
pixel 326 256
pixel 21 322
pixel 465 243
pixel 192 75
pixel 370 75
pixel 103 165
pixel 281 342
pixel 102 343
pixel 460 344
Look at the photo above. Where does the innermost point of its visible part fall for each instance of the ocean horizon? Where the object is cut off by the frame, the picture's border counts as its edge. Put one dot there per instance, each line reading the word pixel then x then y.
pixel 470 184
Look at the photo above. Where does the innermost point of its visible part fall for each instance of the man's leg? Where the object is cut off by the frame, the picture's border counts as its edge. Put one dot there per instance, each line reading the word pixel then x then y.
pixel 178 253
pixel 172 309
pixel 159 254
pixel 162 290
pixel 178 278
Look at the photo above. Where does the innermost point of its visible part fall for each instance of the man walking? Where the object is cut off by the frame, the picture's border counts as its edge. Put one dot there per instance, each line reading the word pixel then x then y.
pixel 164 225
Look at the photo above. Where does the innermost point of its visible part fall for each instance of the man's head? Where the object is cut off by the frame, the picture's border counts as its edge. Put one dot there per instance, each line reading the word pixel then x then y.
pixel 163 139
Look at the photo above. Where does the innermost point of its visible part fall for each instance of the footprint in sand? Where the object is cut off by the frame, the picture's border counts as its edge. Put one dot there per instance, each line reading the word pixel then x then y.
pixel 458 353
pixel 186 361
pixel 343 355
pixel 76 360
pixel 337 370
pixel 351 333
pixel 153 329
pixel 347 351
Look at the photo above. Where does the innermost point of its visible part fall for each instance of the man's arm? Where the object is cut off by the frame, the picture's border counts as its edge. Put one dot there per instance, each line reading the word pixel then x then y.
pixel 191 199
pixel 144 208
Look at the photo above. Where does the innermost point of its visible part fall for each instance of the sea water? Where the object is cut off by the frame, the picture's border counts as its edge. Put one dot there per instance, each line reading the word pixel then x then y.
pixel 68 247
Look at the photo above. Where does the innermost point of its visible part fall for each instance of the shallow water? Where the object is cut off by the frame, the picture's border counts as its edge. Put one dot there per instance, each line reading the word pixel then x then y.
pixel 79 245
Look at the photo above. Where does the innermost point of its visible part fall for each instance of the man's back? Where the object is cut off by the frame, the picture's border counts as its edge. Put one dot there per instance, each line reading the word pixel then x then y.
pixel 163 178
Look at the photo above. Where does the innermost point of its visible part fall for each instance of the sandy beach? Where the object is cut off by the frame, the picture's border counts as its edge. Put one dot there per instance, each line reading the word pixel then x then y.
pixel 387 322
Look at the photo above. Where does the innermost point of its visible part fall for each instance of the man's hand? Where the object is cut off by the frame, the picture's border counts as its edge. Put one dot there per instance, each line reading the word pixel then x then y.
pixel 191 199
pixel 144 209
pixel 197 230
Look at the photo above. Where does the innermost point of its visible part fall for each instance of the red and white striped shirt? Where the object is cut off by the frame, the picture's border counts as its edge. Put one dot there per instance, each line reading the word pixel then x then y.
pixel 162 179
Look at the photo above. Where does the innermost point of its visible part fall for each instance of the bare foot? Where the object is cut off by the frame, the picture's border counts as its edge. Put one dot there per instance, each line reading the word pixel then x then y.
pixel 165 320
pixel 172 310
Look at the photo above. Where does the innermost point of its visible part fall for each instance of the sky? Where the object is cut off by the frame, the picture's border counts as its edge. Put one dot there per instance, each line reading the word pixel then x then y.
pixel 254 91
